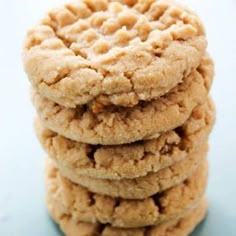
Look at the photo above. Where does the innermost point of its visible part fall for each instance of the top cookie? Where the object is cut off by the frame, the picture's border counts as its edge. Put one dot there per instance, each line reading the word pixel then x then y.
pixel 113 51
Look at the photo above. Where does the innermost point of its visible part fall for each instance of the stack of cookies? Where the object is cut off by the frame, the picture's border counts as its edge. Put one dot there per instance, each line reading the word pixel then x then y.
pixel 121 92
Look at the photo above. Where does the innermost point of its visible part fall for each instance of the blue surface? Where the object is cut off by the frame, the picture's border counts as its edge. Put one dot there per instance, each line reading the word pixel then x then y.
pixel 22 210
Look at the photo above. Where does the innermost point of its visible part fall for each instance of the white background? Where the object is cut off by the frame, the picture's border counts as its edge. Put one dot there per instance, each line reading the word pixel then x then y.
pixel 22 210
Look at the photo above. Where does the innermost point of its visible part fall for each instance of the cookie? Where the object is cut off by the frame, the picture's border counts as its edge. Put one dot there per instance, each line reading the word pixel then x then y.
pixel 89 207
pixel 132 160
pixel 113 52
pixel 118 125
pixel 142 187
pixel 176 227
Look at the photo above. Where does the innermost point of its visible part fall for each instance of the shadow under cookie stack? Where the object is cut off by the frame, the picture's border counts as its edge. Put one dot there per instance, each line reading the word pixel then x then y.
pixel 121 92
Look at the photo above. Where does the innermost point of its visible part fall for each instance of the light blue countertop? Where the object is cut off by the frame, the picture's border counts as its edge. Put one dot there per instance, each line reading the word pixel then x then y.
pixel 22 209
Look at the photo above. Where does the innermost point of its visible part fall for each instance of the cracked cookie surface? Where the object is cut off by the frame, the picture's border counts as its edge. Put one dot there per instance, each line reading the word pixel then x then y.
pixel 119 125
pixel 113 52
pixel 176 227
pixel 89 207
pixel 142 187
pixel 131 160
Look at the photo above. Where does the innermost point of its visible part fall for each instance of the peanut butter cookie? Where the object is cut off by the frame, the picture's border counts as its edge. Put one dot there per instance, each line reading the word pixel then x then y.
pixel 142 187
pixel 119 125
pixel 113 52
pixel 89 207
pixel 177 227
pixel 131 160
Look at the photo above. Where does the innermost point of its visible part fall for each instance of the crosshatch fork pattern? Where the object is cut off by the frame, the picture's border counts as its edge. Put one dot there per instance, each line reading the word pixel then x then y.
pixel 111 52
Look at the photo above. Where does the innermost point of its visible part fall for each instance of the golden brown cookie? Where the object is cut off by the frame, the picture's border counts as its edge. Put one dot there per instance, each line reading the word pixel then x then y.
pixel 113 52
pixel 142 187
pixel 117 125
pixel 131 160
pixel 89 207
pixel 176 227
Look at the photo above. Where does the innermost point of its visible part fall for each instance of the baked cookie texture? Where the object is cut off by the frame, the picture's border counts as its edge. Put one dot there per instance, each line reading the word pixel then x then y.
pixel 142 187
pixel 178 227
pixel 113 51
pixel 83 205
pixel 132 160
pixel 121 89
pixel 117 125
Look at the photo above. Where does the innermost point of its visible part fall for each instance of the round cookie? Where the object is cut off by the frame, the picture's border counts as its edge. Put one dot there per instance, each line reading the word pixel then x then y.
pixel 113 52
pixel 132 160
pixel 89 207
pixel 117 125
pixel 142 187
pixel 177 227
